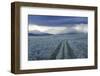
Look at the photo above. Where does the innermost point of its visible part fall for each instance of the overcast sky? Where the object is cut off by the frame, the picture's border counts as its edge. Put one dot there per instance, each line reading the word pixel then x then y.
pixel 56 20
pixel 57 24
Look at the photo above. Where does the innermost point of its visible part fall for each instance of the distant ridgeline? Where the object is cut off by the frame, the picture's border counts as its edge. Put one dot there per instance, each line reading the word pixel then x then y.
pixel 47 34
pixel 33 34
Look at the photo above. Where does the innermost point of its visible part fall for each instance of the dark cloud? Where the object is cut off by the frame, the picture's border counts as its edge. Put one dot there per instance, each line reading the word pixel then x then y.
pixel 56 20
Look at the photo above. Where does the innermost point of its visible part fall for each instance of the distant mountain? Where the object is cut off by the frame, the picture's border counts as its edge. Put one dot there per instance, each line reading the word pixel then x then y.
pixel 32 34
pixel 70 33
pixel 38 33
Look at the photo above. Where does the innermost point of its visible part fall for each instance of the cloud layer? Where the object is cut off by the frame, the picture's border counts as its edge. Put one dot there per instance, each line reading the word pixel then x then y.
pixel 56 20
pixel 59 30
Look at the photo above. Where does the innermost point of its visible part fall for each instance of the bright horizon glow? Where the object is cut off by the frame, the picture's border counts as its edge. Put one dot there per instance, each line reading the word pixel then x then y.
pixel 36 27
pixel 58 29
pixel 81 28
pixel 47 29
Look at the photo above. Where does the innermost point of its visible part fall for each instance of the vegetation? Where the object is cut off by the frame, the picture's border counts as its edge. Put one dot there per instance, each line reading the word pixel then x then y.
pixel 66 46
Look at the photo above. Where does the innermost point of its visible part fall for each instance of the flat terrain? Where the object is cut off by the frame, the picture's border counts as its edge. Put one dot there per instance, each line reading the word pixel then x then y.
pixel 43 47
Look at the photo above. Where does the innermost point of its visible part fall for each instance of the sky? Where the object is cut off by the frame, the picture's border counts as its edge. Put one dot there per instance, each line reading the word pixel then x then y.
pixel 56 20
pixel 57 24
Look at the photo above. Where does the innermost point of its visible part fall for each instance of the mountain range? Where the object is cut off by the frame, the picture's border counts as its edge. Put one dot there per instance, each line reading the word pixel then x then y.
pixel 38 33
